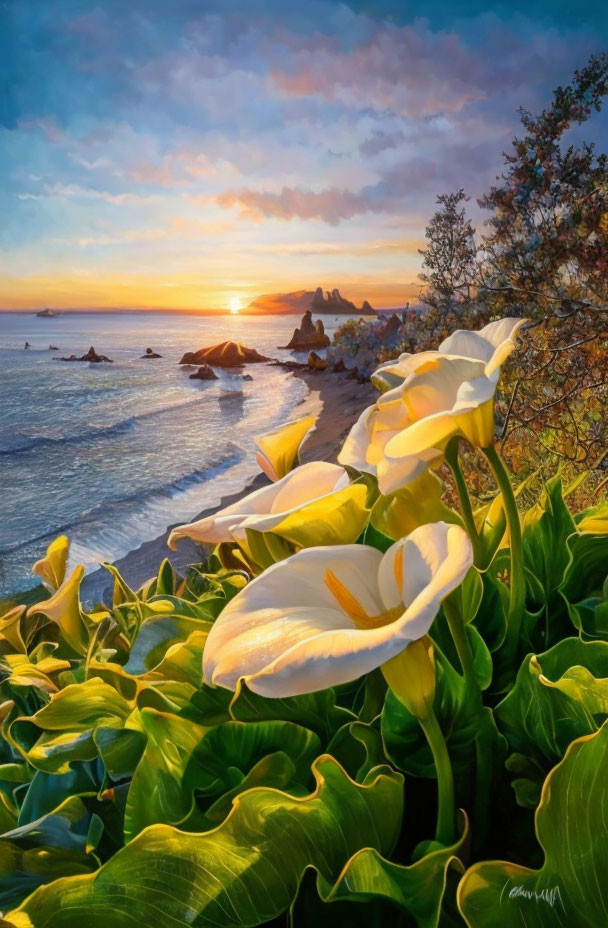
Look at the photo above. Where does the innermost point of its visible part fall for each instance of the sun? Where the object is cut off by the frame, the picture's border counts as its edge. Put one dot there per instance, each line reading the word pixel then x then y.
pixel 235 305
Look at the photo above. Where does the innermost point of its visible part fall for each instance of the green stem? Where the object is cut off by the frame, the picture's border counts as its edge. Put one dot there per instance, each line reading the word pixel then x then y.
pixel 445 779
pixel 517 579
pixel 463 646
pixel 453 462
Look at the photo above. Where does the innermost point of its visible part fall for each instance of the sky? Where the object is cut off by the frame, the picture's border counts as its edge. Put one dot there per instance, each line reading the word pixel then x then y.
pixel 187 154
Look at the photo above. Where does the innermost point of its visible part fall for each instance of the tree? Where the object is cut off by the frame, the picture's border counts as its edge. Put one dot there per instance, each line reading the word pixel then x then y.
pixel 545 256
pixel 449 259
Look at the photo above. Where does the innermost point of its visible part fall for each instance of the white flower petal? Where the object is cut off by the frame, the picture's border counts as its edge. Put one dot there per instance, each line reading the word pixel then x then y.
pixel 432 561
pixel 288 603
pixel 302 485
pixel 354 451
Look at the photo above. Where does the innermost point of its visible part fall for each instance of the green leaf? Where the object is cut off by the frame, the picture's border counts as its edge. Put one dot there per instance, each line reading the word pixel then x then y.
pixel 53 846
pixel 243 873
pixel 157 793
pixel 583 584
pixel 62 731
pixel 547 526
pixel 571 888
pixel 417 889
pixel 315 711
pixel 156 635
pixel 558 696
pixel 64 610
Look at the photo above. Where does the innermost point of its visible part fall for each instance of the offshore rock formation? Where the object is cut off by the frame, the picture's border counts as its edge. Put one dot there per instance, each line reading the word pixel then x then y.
pixel 299 301
pixel 310 335
pixel 151 354
pixel 90 356
pixel 227 354
pixel 204 373
pixel 335 303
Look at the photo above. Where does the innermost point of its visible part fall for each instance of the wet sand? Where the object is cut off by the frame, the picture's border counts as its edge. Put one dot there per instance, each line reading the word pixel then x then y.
pixel 333 397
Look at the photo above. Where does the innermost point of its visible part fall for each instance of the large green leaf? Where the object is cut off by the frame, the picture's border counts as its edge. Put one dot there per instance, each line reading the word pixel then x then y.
pixel 181 758
pixel 584 584
pixel 62 731
pixel 241 874
pixel 157 793
pixel 417 890
pixel 53 846
pixel 546 528
pixel 316 711
pixel 558 696
pixel 156 635
pixel 571 888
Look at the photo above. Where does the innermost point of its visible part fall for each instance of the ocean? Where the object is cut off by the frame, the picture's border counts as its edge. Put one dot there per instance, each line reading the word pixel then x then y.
pixel 111 454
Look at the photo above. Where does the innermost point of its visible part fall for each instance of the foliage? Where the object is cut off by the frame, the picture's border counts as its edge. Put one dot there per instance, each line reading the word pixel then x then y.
pixel 131 790
pixel 541 254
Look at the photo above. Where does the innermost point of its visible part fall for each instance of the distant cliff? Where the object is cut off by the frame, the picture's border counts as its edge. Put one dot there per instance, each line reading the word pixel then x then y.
pixel 300 301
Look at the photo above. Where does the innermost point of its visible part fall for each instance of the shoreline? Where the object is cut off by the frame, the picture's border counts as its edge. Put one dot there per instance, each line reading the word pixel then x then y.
pixel 334 398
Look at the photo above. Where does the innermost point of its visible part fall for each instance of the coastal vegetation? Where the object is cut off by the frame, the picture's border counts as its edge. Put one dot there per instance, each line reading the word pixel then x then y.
pixel 365 704
pixel 541 254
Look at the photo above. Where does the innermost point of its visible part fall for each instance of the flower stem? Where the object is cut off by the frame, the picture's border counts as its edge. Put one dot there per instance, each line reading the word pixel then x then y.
pixel 518 578
pixel 453 462
pixel 463 646
pixel 445 778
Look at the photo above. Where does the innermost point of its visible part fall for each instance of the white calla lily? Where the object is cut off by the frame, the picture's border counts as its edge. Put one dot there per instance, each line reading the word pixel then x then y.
pixel 442 393
pixel 327 615
pixel 492 344
pixel 269 506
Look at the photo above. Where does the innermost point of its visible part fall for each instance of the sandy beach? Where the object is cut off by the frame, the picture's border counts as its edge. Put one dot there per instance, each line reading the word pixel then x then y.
pixel 334 398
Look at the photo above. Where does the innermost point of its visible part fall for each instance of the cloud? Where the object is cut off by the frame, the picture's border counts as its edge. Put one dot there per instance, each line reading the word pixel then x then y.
pixel 380 141
pixel 331 205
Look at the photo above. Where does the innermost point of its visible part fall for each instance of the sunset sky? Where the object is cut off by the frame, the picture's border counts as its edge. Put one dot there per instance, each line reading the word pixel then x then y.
pixel 186 153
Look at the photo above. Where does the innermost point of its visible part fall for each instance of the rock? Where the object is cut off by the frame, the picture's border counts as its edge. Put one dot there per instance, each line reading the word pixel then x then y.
pixel 228 354
pixel 46 314
pixel 390 327
pixel 334 302
pixel 310 335
pixel 204 373
pixel 339 366
pixel 90 356
pixel 53 348
pixel 367 309
pixel 246 377
pixel 315 362
pixel 151 354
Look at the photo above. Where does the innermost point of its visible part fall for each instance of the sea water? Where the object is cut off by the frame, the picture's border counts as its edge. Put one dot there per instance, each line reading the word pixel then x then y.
pixel 111 454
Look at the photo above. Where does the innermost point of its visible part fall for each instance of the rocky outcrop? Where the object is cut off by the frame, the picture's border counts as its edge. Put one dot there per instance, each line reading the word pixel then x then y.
pixel 47 314
pixel 334 302
pixel 151 354
pixel 204 373
pixel 315 362
pixel 90 356
pixel 299 301
pixel 228 354
pixel 309 336
pixel 390 327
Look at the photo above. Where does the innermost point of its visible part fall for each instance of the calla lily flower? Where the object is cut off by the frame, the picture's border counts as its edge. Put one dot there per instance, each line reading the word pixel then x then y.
pixel 327 615
pixel 264 509
pixel 365 444
pixel 492 344
pixel 279 450
pixel 443 393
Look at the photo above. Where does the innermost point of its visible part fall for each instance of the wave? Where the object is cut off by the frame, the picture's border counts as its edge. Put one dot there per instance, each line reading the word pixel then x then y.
pixel 168 490
pixel 18 442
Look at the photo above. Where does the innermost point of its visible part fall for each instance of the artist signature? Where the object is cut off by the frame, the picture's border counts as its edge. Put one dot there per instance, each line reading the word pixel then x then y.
pixel 549 896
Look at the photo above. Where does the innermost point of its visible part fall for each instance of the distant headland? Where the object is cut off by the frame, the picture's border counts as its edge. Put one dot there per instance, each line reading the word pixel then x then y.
pixel 299 301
